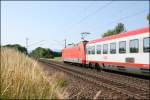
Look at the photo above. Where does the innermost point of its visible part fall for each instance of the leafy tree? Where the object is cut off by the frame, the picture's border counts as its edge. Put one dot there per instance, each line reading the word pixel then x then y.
pixel 17 47
pixel 57 54
pixel 42 53
pixel 118 29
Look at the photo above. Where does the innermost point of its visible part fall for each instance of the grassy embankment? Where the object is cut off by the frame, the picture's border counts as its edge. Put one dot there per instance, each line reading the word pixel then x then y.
pixel 23 78
pixel 57 59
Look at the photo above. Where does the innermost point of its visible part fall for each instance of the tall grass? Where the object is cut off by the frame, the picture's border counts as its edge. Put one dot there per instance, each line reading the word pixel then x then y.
pixel 23 78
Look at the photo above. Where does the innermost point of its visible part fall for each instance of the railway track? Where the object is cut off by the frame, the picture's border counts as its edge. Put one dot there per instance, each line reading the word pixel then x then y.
pixel 132 90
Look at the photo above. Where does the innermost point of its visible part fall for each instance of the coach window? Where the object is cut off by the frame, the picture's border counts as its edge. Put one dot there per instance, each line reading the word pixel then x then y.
pixel 93 49
pixel 98 49
pixel 105 48
pixel 113 48
pixel 146 45
pixel 89 50
pixel 134 46
pixel 122 47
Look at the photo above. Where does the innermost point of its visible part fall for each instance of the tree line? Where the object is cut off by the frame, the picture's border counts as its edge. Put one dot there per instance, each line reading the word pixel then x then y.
pixel 38 52
pixel 44 53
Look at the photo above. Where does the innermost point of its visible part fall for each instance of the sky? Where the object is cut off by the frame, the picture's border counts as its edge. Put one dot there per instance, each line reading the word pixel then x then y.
pixel 48 23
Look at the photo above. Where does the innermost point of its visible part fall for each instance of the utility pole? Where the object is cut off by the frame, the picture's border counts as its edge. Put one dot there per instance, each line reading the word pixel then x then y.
pixel 65 42
pixel 27 43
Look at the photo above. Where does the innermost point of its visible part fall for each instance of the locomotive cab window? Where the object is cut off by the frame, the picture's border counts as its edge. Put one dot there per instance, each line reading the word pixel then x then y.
pixel 113 48
pixel 134 46
pixel 122 47
pixel 105 48
pixel 98 49
pixel 146 45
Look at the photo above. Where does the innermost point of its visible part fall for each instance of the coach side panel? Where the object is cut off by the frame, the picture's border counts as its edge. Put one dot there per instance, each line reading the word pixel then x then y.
pixel 132 62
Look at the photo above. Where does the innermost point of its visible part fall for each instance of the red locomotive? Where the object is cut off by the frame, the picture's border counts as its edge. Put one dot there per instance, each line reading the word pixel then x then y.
pixel 75 53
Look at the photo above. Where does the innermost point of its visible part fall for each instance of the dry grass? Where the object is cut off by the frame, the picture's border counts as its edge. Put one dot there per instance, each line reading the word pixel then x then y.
pixel 23 78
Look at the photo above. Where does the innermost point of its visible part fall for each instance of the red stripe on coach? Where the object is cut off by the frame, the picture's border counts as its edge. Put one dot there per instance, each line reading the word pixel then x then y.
pixel 123 63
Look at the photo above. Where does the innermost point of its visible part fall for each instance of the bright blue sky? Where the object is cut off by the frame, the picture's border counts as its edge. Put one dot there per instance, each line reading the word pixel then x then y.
pixel 53 21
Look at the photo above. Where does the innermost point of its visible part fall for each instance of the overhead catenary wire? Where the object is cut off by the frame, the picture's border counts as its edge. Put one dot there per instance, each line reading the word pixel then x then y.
pixel 114 21
pixel 84 9
pixel 91 14
pixel 101 8
pixel 36 43
pixel 96 11
pixel 123 18
pixel 129 16
pixel 59 42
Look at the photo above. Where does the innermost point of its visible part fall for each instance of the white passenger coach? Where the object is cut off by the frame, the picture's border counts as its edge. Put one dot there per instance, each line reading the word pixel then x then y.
pixel 127 52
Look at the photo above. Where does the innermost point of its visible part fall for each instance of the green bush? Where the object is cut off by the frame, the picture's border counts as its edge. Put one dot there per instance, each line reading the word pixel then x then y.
pixel 42 53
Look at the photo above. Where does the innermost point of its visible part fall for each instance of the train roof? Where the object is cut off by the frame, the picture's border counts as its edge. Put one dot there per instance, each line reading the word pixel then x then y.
pixel 121 35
